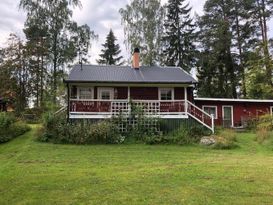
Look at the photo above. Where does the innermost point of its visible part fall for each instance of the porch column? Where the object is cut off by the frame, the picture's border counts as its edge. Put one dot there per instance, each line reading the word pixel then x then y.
pixel 128 94
pixel 186 99
pixel 68 101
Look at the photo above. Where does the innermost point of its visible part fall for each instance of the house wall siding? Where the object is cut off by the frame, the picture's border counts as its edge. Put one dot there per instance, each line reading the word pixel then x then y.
pixel 240 110
pixel 121 92
pixel 144 93
pixel 179 93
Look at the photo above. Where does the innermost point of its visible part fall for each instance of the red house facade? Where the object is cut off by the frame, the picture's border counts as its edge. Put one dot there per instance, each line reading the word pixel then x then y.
pixel 100 92
pixel 234 112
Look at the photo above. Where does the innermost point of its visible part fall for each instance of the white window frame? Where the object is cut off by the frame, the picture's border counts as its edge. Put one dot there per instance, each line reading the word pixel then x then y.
pixel 232 119
pixel 78 92
pixel 271 110
pixel 211 106
pixel 161 89
pixel 101 89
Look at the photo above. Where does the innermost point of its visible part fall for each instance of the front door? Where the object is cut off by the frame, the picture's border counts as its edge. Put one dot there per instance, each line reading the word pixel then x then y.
pixel 227 116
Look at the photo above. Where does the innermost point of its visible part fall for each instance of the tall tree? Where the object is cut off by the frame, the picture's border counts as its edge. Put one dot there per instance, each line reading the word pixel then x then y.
pixel 15 72
pixel 178 35
pixel 262 13
pixel 61 50
pixel 143 27
pixel 110 52
pixel 216 42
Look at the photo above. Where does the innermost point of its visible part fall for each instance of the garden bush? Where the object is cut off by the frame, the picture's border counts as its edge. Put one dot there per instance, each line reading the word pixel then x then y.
pixel 225 139
pixel 181 136
pixel 264 129
pixel 56 129
pixel 10 128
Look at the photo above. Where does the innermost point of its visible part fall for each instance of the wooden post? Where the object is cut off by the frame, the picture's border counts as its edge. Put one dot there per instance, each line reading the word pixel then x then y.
pixel 186 99
pixel 68 101
pixel 212 123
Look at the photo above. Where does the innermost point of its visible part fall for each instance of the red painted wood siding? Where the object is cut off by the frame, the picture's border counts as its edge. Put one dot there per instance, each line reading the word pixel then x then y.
pixel 144 93
pixel 240 109
pixel 121 92
pixel 179 93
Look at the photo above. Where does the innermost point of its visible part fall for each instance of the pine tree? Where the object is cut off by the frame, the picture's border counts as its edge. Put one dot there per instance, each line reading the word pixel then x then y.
pixel 179 35
pixel 110 53
pixel 215 37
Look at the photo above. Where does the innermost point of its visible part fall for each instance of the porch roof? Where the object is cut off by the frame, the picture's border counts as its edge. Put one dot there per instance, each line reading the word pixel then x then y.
pixel 127 74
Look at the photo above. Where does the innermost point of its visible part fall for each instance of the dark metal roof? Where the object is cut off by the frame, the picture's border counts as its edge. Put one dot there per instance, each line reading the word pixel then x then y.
pixel 127 74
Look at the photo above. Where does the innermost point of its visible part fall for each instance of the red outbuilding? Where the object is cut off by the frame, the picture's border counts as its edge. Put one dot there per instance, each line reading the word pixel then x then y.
pixel 234 112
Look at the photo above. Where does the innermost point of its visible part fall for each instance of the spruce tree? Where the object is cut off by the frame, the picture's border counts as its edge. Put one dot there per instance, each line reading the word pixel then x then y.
pixel 178 37
pixel 110 52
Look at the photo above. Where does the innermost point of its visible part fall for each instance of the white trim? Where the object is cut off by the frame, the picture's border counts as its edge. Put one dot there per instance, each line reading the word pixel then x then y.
pixel 232 119
pixel 100 89
pixel 271 110
pixel 232 100
pixel 211 106
pixel 185 93
pixel 161 85
pixel 128 93
pixel 165 88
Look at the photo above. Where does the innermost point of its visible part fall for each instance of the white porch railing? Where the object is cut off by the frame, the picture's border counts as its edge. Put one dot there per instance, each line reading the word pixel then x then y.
pixel 155 108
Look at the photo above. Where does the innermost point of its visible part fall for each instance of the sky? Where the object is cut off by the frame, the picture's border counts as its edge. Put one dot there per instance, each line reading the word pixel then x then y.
pixel 100 15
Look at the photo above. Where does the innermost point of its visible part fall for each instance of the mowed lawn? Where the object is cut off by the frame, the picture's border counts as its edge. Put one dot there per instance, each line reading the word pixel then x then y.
pixel 38 173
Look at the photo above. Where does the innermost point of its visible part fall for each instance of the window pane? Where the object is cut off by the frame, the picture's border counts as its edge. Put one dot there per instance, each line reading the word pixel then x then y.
pixel 105 95
pixel 85 93
pixel 166 94
pixel 73 92
pixel 210 110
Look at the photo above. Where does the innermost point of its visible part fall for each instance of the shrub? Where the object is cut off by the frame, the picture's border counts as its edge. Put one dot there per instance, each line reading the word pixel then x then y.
pixel 9 128
pixel 263 134
pixel 264 129
pixel 181 136
pixel 56 129
pixel 225 139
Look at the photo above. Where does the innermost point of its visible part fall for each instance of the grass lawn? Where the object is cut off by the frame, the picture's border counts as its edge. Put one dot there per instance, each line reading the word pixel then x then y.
pixel 40 173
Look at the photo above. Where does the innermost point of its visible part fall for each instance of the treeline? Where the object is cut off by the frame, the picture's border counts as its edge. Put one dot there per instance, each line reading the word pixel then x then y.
pixel 33 69
pixel 228 46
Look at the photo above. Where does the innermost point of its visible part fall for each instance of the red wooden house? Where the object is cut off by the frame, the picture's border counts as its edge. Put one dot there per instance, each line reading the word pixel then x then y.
pixel 234 112
pixel 98 92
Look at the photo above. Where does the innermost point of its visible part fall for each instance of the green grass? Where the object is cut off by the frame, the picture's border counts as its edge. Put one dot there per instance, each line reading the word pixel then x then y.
pixel 40 173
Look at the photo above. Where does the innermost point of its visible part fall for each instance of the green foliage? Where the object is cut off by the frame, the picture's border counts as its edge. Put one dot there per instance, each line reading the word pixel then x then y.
pixel 264 129
pixel 143 27
pixel 182 136
pixel 178 38
pixel 225 139
pixel 110 54
pixel 10 128
pixel 56 129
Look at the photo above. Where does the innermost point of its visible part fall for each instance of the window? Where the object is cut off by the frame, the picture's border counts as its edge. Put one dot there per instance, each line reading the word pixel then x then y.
pixel 271 110
pixel 106 93
pixel 85 93
pixel 210 110
pixel 73 92
pixel 165 93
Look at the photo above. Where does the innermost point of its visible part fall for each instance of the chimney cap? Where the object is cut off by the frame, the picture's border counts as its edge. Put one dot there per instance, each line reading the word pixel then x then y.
pixel 136 50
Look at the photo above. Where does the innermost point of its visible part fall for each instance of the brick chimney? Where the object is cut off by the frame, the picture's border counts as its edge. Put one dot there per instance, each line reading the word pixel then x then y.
pixel 136 59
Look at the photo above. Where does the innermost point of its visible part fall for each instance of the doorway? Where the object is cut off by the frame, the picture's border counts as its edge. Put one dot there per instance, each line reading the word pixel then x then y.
pixel 227 116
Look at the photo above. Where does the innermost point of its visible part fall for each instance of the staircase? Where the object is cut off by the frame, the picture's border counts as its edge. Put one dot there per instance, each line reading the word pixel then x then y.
pixel 200 115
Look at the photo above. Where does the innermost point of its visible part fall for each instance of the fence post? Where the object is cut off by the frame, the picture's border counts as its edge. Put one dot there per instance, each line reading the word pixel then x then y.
pixel 186 107
pixel 212 123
